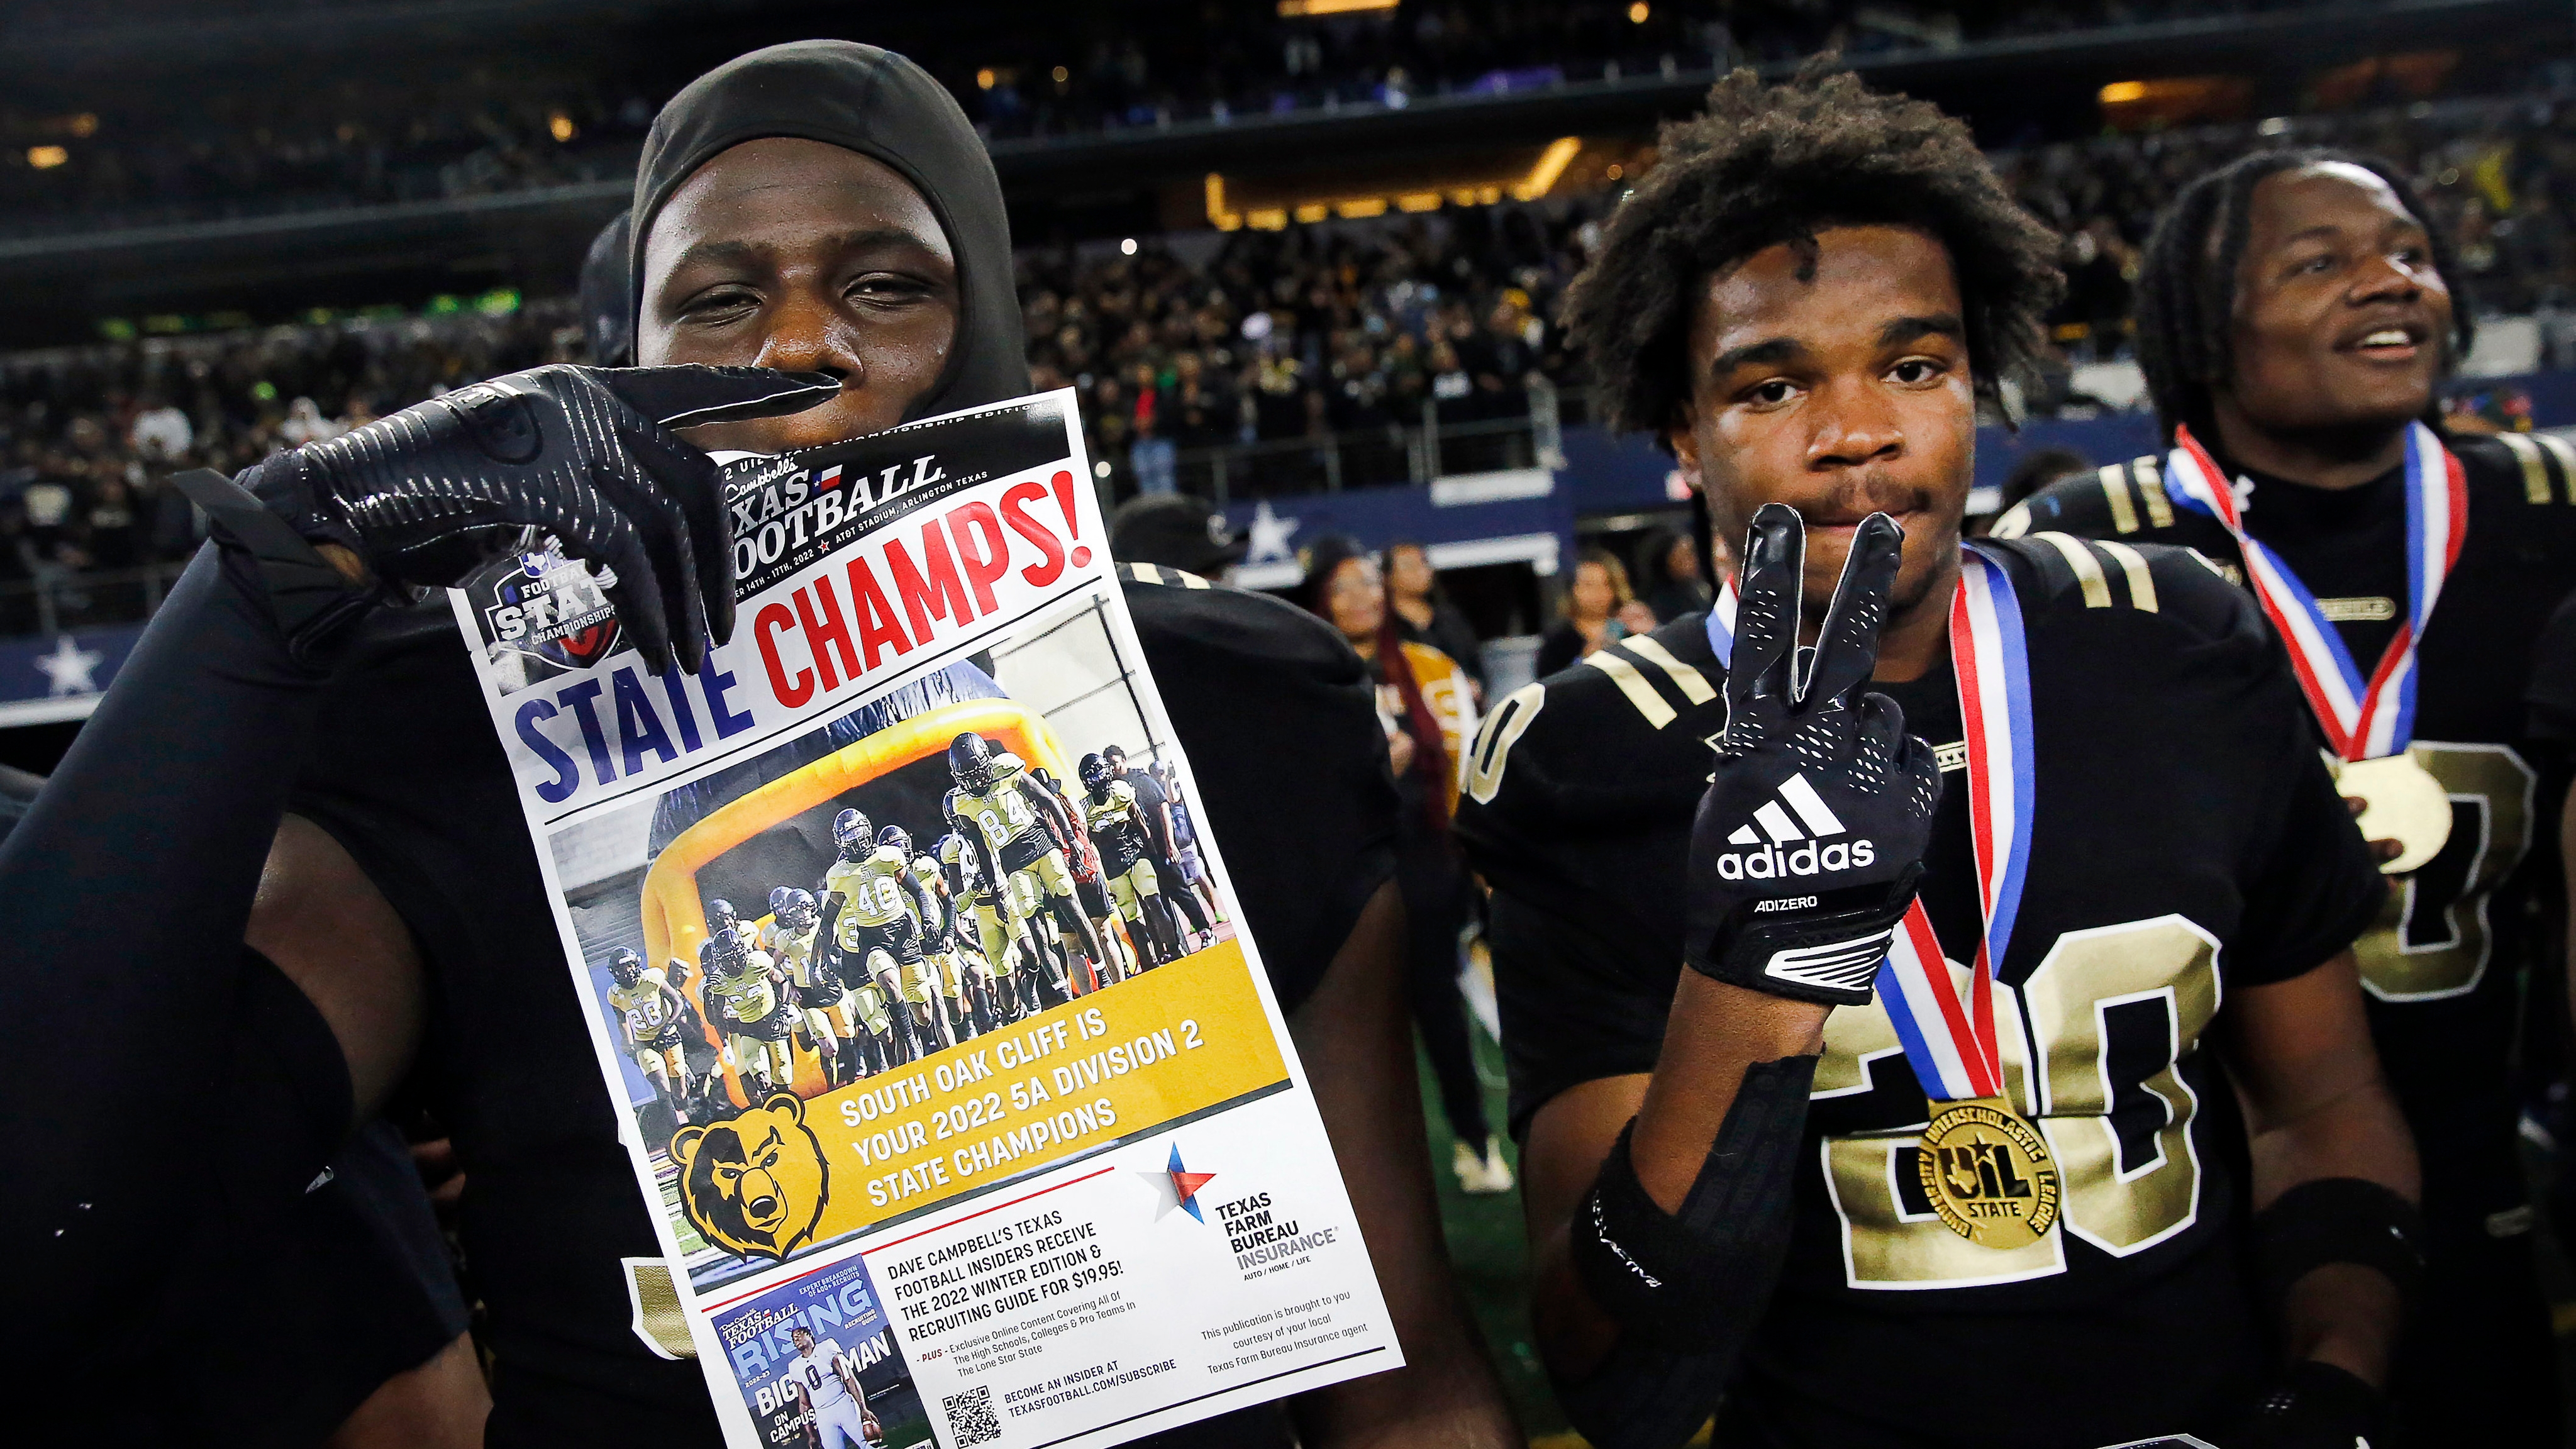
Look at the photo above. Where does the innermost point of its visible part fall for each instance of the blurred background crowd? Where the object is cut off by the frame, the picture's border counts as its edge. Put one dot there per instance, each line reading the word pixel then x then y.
pixel 1232 335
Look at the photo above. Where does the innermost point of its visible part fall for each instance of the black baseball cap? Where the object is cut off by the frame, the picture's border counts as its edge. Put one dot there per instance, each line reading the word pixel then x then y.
pixel 1176 531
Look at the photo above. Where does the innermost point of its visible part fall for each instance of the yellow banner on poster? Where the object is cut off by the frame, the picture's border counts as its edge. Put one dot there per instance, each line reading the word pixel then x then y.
pixel 787 1175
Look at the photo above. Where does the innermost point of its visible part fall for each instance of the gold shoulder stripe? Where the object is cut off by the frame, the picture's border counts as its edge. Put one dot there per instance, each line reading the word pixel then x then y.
pixel 1633 684
pixel 2088 569
pixel 659 1320
pixel 1693 684
pixel 2014 523
pixel 2535 473
pixel 2150 473
pixel 1145 573
pixel 2142 584
pixel 2115 491
pixel 2566 457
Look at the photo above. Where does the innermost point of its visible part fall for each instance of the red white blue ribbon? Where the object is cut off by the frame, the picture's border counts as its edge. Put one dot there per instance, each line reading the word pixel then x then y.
pixel 1950 1041
pixel 2362 718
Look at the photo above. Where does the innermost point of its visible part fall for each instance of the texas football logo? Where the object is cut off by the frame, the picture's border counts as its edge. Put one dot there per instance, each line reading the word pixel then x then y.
pixel 755 1184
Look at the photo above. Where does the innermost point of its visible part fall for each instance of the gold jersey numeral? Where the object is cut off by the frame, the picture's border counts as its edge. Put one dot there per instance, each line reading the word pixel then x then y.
pixel 2431 939
pixel 2141 981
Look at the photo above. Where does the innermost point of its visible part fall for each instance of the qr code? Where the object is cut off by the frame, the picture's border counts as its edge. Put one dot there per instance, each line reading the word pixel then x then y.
pixel 970 1418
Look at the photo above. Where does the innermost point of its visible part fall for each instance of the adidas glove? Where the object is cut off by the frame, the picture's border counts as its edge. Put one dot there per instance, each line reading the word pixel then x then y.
pixel 1807 845
pixel 585 454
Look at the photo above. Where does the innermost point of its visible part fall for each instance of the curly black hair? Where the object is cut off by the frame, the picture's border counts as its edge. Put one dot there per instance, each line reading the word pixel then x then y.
pixel 1767 164
pixel 2187 279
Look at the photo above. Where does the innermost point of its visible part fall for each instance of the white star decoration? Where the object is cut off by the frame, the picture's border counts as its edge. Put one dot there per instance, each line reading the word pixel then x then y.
pixel 1270 534
pixel 69 669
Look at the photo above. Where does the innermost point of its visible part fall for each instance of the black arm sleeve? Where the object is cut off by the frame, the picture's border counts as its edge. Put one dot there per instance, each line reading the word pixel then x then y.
pixel 127 889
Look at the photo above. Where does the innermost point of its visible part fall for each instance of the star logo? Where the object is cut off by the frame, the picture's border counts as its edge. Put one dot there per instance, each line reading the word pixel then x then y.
pixel 70 669
pixel 1269 535
pixel 1176 1188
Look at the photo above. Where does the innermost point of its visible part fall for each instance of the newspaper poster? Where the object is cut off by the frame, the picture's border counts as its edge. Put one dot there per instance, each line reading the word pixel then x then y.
pixel 961 1128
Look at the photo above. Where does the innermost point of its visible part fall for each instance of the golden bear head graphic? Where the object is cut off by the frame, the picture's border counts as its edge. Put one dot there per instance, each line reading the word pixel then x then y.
pixel 755 1184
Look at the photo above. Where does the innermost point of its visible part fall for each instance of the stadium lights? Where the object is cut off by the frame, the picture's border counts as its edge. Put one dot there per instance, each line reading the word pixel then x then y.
pixel 46 158
pixel 1409 193
pixel 1551 165
pixel 1293 9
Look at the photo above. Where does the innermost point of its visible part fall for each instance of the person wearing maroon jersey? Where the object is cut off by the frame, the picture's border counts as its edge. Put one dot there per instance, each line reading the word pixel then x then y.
pixel 1745 1172
pixel 2296 323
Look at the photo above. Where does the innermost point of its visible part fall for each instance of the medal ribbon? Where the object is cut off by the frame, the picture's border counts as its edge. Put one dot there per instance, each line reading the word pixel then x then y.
pixel 2362 718
pixel 1951 1042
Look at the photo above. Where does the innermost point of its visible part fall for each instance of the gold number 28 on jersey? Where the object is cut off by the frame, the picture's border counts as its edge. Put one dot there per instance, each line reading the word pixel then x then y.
pixel 2432 939
pixel 2142 992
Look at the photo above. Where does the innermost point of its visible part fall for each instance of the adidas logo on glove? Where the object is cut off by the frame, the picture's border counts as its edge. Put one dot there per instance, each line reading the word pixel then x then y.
pixel 1791 850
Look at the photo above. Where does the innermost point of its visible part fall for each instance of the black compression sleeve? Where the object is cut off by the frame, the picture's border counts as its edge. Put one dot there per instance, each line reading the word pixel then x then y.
pixel 145 1050
pixel 1688 1287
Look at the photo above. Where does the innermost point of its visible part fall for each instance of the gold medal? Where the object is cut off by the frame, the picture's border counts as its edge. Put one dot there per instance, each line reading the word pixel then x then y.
pixel 1988 1174
pixel 2404 803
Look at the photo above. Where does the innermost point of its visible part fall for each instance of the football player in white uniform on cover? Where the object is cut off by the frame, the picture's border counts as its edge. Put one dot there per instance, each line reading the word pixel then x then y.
pixel 837 1407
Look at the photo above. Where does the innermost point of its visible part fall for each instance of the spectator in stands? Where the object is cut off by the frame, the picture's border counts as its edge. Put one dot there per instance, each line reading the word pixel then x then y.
pixel 1153 459
pixel 1600 609
pixel 1422 612
pixel 161 432
pixel 1669 562
pixel 116 534
pixel 1424 702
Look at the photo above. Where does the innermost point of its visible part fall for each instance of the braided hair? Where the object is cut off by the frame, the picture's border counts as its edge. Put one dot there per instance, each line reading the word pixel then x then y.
pixel 2187 279
pixel 1766 165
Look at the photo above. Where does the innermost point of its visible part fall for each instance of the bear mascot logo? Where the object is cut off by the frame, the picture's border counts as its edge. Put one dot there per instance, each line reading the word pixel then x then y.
pixel 755 1184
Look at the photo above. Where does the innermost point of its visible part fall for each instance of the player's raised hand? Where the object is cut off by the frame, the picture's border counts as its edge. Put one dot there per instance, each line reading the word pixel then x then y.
pixel 585 454
pixel 1807 845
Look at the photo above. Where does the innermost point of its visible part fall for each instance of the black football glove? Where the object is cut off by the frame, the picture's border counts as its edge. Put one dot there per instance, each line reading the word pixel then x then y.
pixel 2313 1406
pixel 585 454
pixel 1810 838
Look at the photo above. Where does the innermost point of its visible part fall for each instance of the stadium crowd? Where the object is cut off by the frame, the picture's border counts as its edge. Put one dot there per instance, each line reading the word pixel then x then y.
pixel 1349 330
pixel 424 128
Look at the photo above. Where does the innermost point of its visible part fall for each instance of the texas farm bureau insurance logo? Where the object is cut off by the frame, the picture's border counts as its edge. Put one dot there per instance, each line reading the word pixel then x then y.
pixel 1795 839
pixel 552 607
pixel 1261 1232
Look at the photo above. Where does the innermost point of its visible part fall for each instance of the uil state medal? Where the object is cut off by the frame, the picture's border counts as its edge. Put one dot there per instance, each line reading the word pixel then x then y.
pixel 1989 1174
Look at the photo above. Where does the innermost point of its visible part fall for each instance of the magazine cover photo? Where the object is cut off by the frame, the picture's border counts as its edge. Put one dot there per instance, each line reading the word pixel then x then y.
pixel 1002 836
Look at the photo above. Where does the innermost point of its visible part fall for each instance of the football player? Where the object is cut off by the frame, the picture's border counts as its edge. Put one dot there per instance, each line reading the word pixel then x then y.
pixel 836 1407
pixel 998 932
pixel 1012 822
pixel 1158 804
pixel 1185 840
pixel 318 679
pixel 2296 324
pixel 1799 1135
pixel 649 1013
pixel 751 1005
pixel 942 973
pixel 873 912
pixel 792 938
pixel 1119 832
pixel 721 920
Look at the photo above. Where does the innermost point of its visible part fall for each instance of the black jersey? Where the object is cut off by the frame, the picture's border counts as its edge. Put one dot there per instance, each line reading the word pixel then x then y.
pixel 408 774
pixel 2186 843
pixel 2443 959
